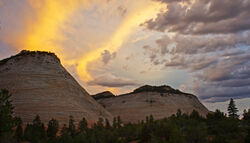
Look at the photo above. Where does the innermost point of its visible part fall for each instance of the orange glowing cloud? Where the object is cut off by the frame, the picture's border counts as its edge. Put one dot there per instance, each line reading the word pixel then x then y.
pixel 43 32
pixel 129 25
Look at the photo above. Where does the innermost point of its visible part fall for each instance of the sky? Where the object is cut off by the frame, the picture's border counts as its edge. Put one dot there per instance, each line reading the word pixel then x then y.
pixel 198 46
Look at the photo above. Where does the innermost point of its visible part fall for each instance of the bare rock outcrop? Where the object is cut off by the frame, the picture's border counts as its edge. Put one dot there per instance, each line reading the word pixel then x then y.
pixel 159 101
pixel 41 85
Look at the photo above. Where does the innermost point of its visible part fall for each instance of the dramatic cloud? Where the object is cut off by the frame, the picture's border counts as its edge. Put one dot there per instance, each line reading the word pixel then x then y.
pixel 216 77
pixel 202 17
pixel 194 44
pixel 228 78
pixel 210 39
pixel 131 21
pixel 220 63
pixel 193 63
pixel 109 80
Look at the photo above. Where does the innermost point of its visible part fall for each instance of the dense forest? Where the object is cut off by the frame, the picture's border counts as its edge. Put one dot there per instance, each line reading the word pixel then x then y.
pixel 216 127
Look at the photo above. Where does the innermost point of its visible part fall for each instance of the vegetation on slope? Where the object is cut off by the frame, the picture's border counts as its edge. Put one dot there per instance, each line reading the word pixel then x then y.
pixel 28 53
pixel 105 94
pixel 146 88
pixel 159 89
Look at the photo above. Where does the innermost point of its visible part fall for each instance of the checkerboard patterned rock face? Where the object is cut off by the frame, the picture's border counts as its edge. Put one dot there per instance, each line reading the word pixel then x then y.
pixel 157 102
pixel 41 85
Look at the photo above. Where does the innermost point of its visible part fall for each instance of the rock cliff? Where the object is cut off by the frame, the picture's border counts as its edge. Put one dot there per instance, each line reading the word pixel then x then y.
pixel 41 85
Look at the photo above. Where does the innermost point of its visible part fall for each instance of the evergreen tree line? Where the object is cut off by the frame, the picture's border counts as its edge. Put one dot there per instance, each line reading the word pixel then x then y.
pixel 216 127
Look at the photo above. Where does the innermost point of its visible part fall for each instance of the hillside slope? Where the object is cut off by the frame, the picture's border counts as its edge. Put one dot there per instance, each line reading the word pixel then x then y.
pixel 41 85
pixel 159 101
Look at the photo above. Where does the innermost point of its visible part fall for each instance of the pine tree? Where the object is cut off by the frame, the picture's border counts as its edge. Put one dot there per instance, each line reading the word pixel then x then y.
pixel 100 123
pixel 19 129
pixel 6 110
pixel 246 115
pixel 38 127
pixel 35 132
pixel 107 124
pixel 119 122
pixel 83 125
pixel 114 122
pixel 28 132
pixel 147 119
pixel 151 119
pixel 232 110
pixel 71 128
pixel 53 126
pixel 179 113
pixel 64 130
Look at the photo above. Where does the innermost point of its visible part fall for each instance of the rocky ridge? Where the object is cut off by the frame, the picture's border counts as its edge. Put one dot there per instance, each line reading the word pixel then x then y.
pixel 105 94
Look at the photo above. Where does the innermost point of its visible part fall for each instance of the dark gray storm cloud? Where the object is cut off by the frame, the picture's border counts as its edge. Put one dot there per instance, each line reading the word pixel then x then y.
pixel 203 17
pixel 195 44
pixel 219 64
pixel 211 39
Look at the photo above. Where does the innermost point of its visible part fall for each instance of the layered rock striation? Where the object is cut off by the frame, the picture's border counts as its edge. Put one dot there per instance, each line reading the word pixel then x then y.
pixel 40 85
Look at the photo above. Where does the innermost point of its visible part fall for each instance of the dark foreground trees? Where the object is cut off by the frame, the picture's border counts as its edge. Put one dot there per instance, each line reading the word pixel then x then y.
pixel 35 132
pixel 232 110
pixel 6 110
pixel 179 128
pixel 7 121
pixel 52 130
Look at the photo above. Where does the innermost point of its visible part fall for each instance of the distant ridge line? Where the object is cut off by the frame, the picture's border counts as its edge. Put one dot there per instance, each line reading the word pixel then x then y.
pixel 145 88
